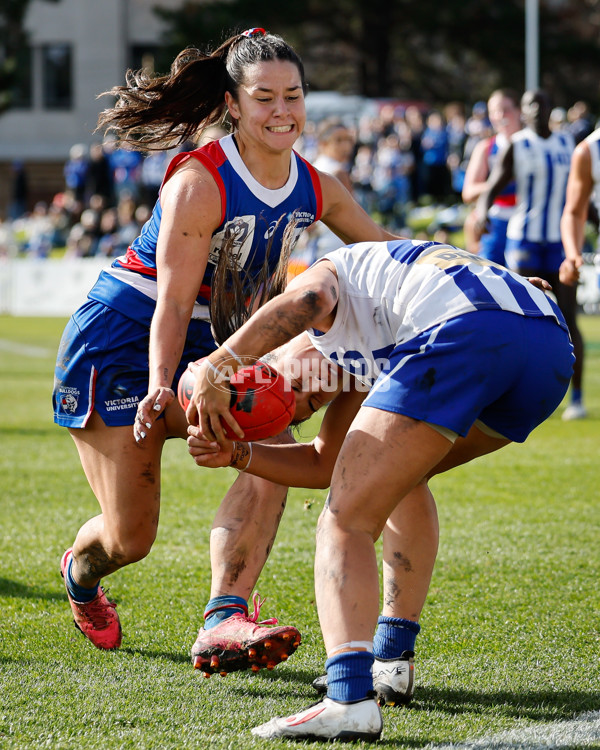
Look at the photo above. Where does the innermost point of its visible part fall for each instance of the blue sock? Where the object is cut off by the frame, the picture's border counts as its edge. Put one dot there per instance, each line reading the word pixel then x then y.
pixel 221 607
pixel 79 593
pixel 576 395
pixel 349 676
pixel 393 636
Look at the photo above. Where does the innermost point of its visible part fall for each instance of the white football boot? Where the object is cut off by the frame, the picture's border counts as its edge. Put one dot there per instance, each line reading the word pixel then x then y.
pixel 574 411
pixel 328 720
pixel 393 680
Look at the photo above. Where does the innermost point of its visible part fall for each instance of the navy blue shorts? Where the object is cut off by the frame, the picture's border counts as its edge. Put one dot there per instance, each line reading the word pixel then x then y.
pixel 506 370
pixel 541 257
pixel 102 364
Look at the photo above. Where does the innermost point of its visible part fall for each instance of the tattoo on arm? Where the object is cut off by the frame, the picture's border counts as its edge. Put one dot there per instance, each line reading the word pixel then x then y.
pixel 239 454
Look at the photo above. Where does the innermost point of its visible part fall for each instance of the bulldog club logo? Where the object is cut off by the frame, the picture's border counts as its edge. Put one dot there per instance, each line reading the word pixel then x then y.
pixel 68 403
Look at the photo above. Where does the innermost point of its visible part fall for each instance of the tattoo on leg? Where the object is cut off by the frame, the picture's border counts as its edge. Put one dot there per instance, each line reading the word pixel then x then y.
pixel 94 563
pixel 391 593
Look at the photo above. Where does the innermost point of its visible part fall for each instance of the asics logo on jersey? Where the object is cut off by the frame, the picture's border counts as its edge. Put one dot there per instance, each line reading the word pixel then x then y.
pixel 271 230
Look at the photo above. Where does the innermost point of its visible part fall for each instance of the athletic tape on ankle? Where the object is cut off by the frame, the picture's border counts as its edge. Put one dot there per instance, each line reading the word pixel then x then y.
pixel 352 645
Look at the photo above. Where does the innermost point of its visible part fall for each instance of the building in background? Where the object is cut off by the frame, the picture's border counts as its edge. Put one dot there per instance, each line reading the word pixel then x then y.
pixel 77 49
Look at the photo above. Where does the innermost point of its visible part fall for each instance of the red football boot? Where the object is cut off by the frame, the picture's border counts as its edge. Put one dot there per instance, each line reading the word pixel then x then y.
pixel 241 642
pixel 98 619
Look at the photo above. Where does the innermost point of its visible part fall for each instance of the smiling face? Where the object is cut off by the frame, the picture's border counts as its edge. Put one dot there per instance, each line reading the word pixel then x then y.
pixel 504 114
pixel 269 109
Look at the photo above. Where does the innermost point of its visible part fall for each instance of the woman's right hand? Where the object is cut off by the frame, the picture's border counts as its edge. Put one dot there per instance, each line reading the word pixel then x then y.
pixel 206 452
pixel 149 409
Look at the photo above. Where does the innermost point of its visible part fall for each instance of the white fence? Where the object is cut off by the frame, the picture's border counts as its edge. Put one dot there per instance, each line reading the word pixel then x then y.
pixel 46 287
pixel 57 287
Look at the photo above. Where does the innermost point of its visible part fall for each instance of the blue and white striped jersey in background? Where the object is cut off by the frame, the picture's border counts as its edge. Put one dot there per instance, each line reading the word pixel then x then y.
pixel 541 169
pixel 392 291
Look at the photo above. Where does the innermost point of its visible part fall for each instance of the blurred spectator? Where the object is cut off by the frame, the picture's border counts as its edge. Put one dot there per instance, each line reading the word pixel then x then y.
pixel 457 138
pixel 75 171
pixel 82 240
pixel 394 164
pixel 477 128
pixel 335 150
pixel 127 226
pixel 361 176
pixel 580 122
pixel 108 233
pixel 558 119
pixel 434 147
pixel 35 231
pixel 126 166
pixel 335 154
pixel 100 179
pixel 416 123
pixel 19 190
pixel 154 166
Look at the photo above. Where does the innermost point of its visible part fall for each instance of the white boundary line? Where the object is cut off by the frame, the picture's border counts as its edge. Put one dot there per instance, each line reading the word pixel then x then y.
pixel 13 347
pixel 582 731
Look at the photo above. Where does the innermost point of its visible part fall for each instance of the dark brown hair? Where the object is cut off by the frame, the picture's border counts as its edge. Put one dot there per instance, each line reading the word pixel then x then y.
pixel 235 295
pixel 164 111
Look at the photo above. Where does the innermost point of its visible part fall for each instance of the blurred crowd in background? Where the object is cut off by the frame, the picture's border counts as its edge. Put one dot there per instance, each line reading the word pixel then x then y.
pixel 399 162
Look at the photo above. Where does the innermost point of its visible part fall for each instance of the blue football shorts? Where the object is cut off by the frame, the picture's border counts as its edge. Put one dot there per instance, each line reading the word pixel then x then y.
pixel 541 257
pixel 493 242
pixel 102 365
pixel 507 371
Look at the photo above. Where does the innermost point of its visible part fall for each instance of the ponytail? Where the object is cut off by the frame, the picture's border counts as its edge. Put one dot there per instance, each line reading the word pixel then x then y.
pixel 164 111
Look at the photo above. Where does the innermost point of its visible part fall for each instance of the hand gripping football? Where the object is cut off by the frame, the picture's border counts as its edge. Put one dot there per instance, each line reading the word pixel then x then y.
pixel 262 401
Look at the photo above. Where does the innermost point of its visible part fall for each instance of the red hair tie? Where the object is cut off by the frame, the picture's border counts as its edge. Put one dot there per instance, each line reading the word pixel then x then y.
pixel 254 32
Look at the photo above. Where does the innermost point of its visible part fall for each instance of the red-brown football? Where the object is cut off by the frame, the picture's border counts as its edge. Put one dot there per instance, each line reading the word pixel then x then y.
pixel 262 401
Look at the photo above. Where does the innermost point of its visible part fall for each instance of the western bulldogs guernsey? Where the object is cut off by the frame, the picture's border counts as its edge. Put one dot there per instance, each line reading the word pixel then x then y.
pixel 541 168
pixel 392 291
pixel 251 215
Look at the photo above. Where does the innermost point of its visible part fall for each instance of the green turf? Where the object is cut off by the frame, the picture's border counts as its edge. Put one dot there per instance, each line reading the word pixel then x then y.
pixel 510 632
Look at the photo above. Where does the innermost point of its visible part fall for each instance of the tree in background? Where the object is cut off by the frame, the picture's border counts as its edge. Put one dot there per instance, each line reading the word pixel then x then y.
pixel 412 49
pixel 13 40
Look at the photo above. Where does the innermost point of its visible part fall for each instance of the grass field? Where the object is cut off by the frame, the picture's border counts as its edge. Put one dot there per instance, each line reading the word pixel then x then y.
pixel 510 634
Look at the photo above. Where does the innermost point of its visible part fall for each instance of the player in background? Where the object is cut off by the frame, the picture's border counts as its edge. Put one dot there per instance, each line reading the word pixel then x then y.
pixel 539 161
pixel 150 313
pixel 505 115
pixel 584 178
pixel 400 317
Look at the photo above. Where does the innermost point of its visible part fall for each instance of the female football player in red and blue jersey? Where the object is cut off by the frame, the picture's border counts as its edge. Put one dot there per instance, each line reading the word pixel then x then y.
pixel 149 314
